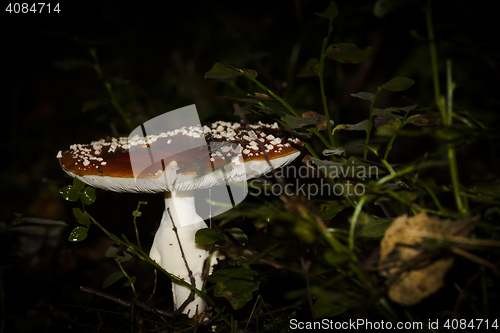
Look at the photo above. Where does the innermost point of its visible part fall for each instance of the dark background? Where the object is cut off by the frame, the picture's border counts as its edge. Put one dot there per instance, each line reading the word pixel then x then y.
pixel 156 56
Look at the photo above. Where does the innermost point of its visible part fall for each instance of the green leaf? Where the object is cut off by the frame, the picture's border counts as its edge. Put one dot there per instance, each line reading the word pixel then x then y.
pixel 278 253
pixel 393 111
pixel 243 100
pixel 267 110
pixel 450 134
pixel 221 70
pixel 353 168
pixel 112 278
pixel 261 96
pixel 69 193
pixel 128 283
pixel 304 231
pixel 29 229
pixel 347 53
pixel 126 257
pixel 487 189
pixel 238 234
pixel 367 96
pixel 295 122
pixel 335 259
pixel 319 267
pixel 88 195
pixel 361 126
pixel 78 234
pixel 234 284
pixel 337 151
pixel 37 220
pixel 368 226
pixel 387 123
pixel 207 236
pixel 328 168
pixel 113 250
pixel 330 304
pixel 330 12
pixel 398 84
pixel 78 184
pixel 136 213
pixel 333 208
pixel 310 69
pixel 407 196
pixel 424 120
pixel 356 162
pixel 81 217
pixel 373 148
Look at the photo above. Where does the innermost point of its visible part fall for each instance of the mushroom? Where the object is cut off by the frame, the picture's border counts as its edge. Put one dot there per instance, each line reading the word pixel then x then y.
pixel 167 163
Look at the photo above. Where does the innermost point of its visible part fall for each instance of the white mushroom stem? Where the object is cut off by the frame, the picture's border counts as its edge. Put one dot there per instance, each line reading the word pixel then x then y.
pixel 167 253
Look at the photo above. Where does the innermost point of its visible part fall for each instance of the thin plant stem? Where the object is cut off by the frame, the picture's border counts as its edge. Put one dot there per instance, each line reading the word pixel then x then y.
pixel 451 149
pixel 454 178
pixel 449 94
pixel 318 134
pixel 127 277
pixel 2 303
pixel 388 166
pixel 431 193
pixel 370 122
pixel 272 93
pixel 321 68
pixel 252 313
pixel 327 235
pixel 143 256
pixel 311 150
pixel 136 214
pixel 270 313
pixel 109 89
pixel 433 53
pixel 288 106
pixel 354 219
pixel 389 145
pixel 484 292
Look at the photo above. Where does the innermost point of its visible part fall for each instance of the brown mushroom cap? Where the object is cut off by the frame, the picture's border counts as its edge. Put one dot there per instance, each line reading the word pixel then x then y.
pixel 106 164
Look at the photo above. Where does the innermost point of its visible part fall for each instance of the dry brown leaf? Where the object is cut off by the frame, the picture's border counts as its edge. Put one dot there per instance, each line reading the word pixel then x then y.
pixel 321 123
pixel 400 241
pixel 262 96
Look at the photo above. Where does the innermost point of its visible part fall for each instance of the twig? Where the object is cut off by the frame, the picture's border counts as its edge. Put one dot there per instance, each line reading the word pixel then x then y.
pixel 475 258
pixel 451 238
pixel 288 307
pixel 132 315
pixel 305 266
pixel 190 273
pixel 143 306
pixel 461 296
pixel 154 286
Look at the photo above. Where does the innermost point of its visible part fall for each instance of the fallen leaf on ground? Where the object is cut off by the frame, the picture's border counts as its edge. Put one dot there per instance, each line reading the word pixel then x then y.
pixel 402 243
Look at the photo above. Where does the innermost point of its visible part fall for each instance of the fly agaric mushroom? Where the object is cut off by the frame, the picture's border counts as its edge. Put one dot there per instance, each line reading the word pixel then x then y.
pixel 237 151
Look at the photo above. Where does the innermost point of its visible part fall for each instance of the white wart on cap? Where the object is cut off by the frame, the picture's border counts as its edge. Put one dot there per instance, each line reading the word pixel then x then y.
pixel 106 164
